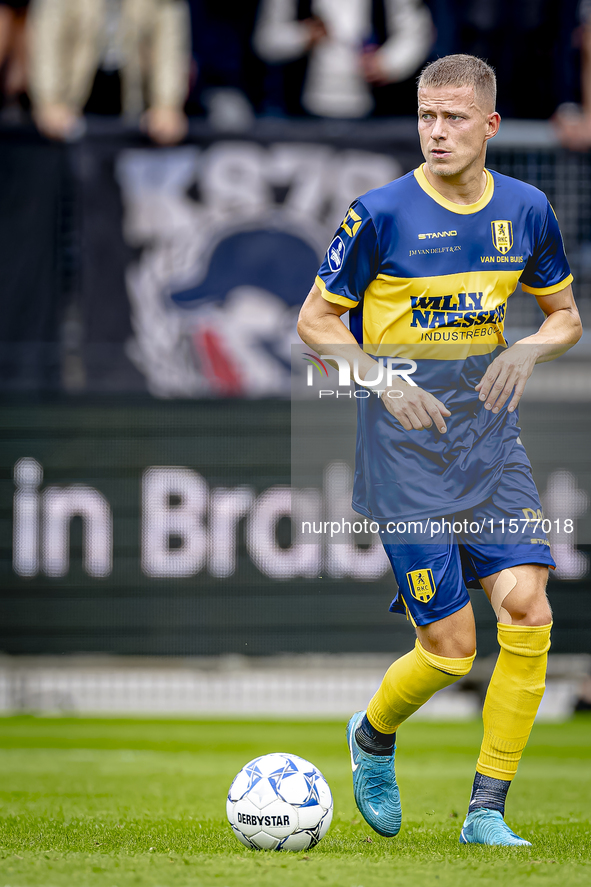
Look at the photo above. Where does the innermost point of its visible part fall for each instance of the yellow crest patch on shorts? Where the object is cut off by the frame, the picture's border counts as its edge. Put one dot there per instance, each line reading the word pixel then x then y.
pixel 421 584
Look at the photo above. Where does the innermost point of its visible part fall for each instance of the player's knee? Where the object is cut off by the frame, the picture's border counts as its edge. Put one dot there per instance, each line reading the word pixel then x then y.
pixel 453 637
pixel 530 612
pixel 449 647
pixel 519 596
pixel 454 666
pixel 461 649
pixel 466 650
pixel 528 606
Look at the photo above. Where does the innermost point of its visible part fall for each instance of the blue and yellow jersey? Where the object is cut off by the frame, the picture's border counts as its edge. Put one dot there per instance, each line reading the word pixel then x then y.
pixel 428 278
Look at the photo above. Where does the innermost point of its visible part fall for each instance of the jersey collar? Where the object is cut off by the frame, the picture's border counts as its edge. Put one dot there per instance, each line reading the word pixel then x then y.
pixel 460 208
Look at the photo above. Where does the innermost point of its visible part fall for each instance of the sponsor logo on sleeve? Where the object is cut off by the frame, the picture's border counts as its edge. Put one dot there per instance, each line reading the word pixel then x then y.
pixel 336 253
pixel 351 222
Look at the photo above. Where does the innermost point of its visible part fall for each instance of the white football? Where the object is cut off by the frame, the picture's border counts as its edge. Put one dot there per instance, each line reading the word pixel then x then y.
pixel 279 802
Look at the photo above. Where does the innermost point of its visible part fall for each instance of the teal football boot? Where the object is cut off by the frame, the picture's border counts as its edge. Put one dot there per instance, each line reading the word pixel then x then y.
pixel 484 826
pixel 374 785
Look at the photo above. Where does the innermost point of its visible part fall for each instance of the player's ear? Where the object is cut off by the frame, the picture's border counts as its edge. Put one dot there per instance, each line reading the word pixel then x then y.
pixel 492 124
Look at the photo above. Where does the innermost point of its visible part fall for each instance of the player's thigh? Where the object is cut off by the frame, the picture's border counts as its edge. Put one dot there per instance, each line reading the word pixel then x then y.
pixel 432 592
pixel 510 555
pixel 518 594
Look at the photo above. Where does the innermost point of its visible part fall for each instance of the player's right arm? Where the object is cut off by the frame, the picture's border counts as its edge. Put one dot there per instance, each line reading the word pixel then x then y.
pixel 320 326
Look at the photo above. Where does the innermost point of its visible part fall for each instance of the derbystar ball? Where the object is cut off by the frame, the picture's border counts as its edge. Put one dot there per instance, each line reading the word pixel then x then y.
pixel 279 802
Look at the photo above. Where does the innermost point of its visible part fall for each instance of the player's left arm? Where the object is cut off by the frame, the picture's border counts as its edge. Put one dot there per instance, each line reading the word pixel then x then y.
pixel 509 372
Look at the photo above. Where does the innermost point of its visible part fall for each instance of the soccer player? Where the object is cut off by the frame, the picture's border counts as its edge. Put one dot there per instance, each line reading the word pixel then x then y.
pixel 425 266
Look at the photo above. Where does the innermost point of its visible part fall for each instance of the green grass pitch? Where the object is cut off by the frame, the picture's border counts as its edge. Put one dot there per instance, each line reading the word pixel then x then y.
pixel 128 803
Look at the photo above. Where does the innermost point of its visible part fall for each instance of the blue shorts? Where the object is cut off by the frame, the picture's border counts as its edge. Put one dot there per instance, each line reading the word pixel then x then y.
pixel 436 562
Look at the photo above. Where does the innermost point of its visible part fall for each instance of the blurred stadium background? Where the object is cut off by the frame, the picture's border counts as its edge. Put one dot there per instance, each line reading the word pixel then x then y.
pixel 166 194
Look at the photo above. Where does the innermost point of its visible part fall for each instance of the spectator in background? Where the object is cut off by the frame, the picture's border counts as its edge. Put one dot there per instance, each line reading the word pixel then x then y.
pixel 141 45
pixel 572 120
pixel 230 82
pixel 13 56
pixel 527 43
pixel 350 48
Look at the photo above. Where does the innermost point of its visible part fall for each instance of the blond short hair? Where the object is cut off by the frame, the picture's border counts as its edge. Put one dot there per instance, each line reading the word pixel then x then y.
pixel 462 70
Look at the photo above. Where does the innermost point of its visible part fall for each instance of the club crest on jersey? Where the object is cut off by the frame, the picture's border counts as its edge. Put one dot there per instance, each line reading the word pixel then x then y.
pixel 502 235
pixel 422 585
pixel 336 254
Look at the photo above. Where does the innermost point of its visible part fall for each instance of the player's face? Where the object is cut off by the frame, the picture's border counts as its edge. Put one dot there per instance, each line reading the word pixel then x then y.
pixel 453 129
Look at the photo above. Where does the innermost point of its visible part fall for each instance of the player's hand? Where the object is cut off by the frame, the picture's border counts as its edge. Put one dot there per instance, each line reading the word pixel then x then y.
pixel 507 375
pixel 417 409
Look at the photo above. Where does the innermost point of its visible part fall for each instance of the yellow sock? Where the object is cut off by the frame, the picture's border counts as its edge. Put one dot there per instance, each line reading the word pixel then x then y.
pixel 513 697
pixel 409 682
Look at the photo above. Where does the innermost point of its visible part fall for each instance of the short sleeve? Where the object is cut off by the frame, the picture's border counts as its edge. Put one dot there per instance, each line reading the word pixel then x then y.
pixel 547 271
pixel 351 260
